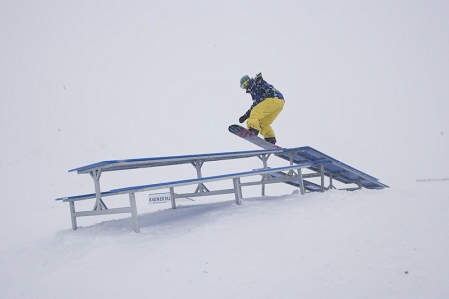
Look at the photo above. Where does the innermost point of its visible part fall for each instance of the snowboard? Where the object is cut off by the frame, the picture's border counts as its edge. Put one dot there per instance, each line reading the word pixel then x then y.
pixel 247 135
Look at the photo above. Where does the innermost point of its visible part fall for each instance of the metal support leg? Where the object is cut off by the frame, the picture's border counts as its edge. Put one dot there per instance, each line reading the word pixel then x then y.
pixel 237 191
pixel 172 198
pixel 72 215
pixel 198 164
pixel 291 158
pixel 99 204
pixel 301 182
pixel 322 178
pixel 262 193
pixel 331 186
pixel 264 159
pixel 132 204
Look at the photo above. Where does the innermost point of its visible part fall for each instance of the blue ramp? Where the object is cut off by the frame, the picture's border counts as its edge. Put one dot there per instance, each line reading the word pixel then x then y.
pixel 335 170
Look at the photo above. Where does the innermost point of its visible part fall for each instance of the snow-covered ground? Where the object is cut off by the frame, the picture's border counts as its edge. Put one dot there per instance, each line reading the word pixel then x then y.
pixel 365 82
pixel 366 244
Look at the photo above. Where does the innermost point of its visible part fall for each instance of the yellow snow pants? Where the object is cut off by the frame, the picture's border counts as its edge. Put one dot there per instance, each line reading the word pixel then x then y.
pixel 263 115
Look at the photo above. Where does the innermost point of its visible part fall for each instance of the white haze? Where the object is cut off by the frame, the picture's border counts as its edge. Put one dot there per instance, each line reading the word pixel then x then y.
pixel 366 82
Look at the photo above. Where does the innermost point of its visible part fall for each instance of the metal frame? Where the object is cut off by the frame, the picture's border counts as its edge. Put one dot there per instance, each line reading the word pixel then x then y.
pixel 335 171
pixel 237 190
pixel 320 164
pixel 95 170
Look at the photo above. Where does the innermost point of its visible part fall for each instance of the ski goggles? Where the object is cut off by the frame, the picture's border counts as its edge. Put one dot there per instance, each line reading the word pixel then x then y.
pixel 245 84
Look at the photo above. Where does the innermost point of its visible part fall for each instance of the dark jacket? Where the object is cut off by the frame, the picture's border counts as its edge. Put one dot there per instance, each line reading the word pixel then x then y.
pixel 261 90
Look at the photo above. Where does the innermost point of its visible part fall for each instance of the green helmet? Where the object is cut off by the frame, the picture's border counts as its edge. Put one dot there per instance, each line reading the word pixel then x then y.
pixel 244 81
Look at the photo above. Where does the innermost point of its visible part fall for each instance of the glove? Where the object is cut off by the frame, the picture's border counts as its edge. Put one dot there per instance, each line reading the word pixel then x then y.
pixel 259 77
pixel 243 118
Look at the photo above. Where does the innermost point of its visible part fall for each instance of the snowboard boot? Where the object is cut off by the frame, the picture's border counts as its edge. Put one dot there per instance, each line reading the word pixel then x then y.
pixel 254 131
pixel 271 140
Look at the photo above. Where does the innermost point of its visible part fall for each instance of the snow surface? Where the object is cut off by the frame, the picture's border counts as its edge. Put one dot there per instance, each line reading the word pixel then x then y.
pixel 365 82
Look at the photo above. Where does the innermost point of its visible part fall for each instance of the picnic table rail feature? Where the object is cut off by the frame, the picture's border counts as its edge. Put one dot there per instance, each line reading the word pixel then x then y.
pixel 317 163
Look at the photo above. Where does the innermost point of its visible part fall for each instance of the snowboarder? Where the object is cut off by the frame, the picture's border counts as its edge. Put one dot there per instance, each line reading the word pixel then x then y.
pixel 267 104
